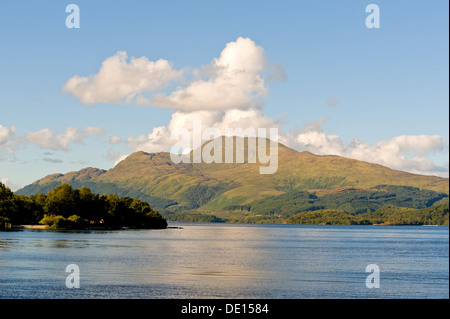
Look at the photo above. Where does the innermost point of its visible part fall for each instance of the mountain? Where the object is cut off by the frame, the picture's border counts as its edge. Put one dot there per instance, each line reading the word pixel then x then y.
pixel 303 181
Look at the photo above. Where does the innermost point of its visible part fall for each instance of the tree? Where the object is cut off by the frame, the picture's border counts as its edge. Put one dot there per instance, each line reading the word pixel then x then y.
pixel 68 208
pixel 5 192
pixel 63 200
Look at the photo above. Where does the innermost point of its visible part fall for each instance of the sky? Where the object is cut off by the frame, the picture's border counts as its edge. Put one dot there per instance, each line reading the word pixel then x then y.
pixel 135 71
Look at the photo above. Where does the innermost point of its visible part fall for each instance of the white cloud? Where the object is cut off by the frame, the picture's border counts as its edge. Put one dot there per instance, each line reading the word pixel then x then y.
pixel 405 152
pixel 159 139
pixel 14 187
pixel 8 140
pixel 119 81
pixel 116 156
pixel 115 139
pixel 4 181
pixel 226 93
pixel 314 126
pixel 5 134
pixel 156 141
pixel 43 138
pixel 233 81
pixel 47 139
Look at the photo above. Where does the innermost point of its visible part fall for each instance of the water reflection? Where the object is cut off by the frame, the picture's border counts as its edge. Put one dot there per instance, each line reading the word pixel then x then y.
pixel 7 243
pixel 193 254
pixel 225 261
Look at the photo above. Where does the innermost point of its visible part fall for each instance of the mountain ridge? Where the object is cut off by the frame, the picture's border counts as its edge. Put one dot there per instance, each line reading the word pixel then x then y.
pixel 215 187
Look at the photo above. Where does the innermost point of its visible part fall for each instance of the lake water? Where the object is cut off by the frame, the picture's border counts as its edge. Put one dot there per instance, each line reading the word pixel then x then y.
pixel 228 261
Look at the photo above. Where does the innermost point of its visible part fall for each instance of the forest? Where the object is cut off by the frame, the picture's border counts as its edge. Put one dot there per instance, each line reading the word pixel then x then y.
pixel 436 215
pixel 358 202
pixel 67 208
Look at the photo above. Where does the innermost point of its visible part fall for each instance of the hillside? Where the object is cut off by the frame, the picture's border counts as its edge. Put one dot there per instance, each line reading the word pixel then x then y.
pixel 303 181
pixel 389 215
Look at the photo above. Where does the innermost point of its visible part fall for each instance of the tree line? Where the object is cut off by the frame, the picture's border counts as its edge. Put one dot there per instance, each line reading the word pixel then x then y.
pixel 390 215
pixel 67 208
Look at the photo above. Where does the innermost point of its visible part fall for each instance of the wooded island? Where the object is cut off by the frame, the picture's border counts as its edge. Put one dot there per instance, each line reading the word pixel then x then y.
pixel 68 208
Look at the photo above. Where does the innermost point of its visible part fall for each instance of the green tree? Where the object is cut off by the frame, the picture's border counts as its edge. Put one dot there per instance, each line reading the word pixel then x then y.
pixel 68 208
pixel 62 200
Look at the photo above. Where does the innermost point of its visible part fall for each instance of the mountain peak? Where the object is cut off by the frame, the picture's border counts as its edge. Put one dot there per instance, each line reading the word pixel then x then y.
pixel 83 175
pixel 156 176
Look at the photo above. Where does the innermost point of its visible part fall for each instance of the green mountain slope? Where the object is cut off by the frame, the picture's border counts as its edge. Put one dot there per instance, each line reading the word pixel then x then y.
pixel 303 180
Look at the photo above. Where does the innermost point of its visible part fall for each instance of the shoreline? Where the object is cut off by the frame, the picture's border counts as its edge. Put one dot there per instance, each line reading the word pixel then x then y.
pixel 44 227
pixel 29 226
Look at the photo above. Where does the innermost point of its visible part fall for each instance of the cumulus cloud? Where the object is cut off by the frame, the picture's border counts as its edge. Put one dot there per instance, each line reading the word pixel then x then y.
pixel 234 80
pixel 156 141
pixel 4 134
pixel 160 137
pixel 405 152
pixel 120 80
pixel 8 140
pixel 45 138
pixel 226 93
pixel 48 139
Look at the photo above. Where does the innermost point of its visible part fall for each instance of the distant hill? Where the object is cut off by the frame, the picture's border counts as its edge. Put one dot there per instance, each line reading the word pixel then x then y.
pixel 389 215
pixel 303 181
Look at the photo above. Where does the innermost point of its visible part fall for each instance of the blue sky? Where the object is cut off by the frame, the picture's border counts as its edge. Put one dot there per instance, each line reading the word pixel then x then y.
pixel 389 85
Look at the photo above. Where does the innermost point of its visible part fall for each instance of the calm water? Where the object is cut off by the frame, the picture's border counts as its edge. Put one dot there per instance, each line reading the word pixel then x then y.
pixel 228 261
